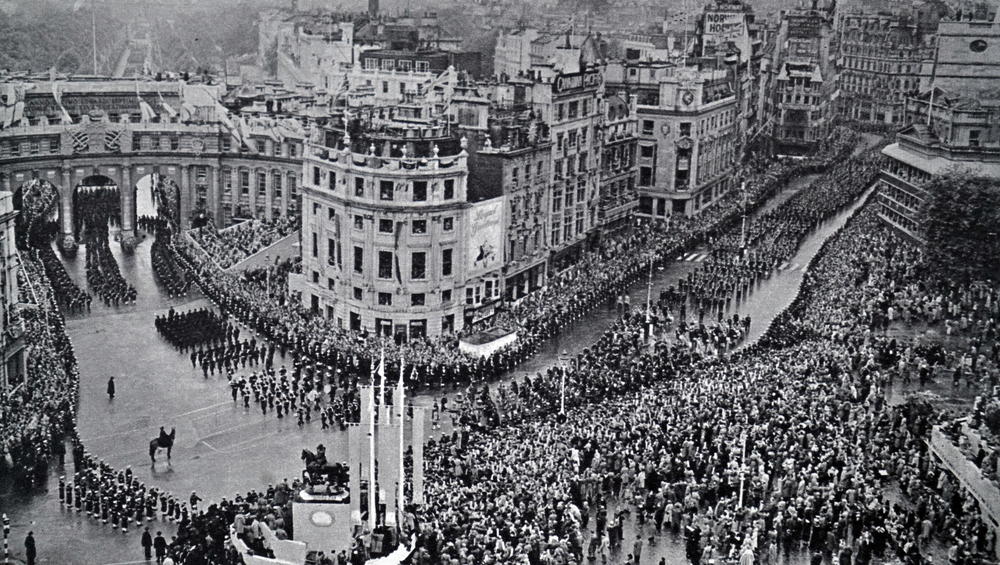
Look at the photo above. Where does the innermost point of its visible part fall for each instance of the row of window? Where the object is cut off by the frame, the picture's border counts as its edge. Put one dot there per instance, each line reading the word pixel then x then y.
pixel 573 110
pixel 562 226
pixel 558 200
pixel 34 146
pixel 372 64
pixel 515 172
pixel 572 138
pixel 387 189
pixel 386 261
pixel 683 128
pixel 573 163
pixel 877 66
pixel 261 183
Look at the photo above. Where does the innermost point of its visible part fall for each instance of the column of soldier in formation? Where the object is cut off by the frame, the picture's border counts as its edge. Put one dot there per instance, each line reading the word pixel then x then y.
pixel 309 390
pixel 170 275
pixel 118 498
pixel 95 210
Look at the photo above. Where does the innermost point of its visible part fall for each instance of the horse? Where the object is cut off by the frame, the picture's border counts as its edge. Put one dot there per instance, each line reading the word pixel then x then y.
pixel 318 465
pixel 312 460
pixel 165 441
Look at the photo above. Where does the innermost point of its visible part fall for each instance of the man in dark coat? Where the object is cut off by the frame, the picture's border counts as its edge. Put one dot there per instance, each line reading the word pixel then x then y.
pixel 147 544
pixel 111 388
pixel 160 545
pixel 30 553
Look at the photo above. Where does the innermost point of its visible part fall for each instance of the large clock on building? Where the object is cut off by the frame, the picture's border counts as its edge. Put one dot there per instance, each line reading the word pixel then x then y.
pixel 687 97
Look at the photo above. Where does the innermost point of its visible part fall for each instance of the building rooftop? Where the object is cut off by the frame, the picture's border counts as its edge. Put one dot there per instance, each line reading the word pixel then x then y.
pixel 936 164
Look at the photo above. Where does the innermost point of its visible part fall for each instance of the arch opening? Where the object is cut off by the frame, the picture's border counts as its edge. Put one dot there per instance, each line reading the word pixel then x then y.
pixel 37 202
pixel 157 197
pixel 97 208
pixel 98 213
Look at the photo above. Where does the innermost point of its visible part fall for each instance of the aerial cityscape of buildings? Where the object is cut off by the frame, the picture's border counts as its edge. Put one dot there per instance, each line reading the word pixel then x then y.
pixel 382 179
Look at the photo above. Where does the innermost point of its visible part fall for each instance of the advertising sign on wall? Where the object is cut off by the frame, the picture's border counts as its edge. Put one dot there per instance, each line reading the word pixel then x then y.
pixel 577 81
pixel 485 241
pixel 722 27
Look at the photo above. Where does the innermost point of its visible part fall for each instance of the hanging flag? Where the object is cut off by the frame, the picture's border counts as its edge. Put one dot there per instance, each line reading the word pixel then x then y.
pixel 244 129
pixel 18 112
pixel 166 107
pixel 227 123
pixel 188 112
pixel 145 109
pixel 66 119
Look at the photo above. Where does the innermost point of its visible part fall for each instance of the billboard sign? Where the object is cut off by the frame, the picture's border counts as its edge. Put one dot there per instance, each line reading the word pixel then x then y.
pixel 577 81
pixel 485 237
pixel 722 27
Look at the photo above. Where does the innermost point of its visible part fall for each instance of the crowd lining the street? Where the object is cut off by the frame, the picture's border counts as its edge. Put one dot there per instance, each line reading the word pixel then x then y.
pixel 787 445
pixel 231 245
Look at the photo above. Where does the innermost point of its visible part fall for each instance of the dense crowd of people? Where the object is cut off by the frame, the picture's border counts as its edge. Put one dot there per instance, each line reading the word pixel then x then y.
pixel 789 445
pixel 39 413
pixel 231 245
pixel 568 296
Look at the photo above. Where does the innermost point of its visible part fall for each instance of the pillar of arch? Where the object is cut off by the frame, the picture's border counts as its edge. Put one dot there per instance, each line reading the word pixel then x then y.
pixel 66 200
pixel 254 171
pixel 185 197
pixel 127 192
pixel 214 194
pixel 284 192
pixel 268 194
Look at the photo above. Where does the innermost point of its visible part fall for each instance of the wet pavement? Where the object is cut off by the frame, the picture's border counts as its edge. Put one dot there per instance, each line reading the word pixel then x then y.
pixel 222 449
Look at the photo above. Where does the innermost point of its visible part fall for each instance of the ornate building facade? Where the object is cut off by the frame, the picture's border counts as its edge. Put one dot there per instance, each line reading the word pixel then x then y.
pixel 112 136
pixel 391 243
pixel 879 62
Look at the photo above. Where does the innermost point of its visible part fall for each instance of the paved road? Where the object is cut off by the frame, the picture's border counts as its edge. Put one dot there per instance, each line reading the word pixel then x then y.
pixel 221 449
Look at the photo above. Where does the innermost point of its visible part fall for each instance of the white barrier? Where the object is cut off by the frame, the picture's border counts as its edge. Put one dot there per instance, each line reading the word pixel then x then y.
pixel 483 348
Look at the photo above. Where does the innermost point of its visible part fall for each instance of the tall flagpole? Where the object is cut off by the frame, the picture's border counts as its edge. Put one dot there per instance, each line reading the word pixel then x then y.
pixel 93 30
pixel 400 498
pixel 372 491
pixel 381 379
pixel 371 462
